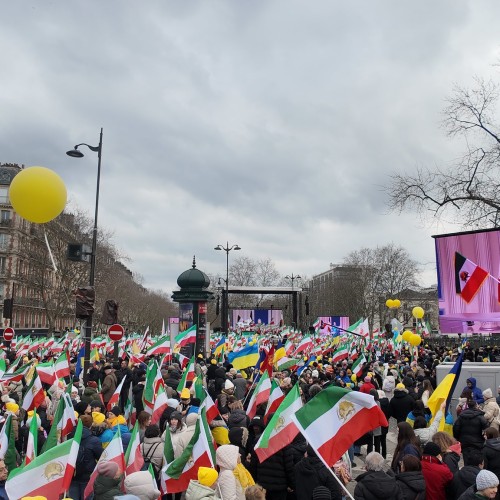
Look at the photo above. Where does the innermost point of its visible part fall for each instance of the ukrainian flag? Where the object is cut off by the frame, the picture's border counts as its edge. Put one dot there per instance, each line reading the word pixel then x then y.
pixel 245 357
pixel 220 346
pixel 444 391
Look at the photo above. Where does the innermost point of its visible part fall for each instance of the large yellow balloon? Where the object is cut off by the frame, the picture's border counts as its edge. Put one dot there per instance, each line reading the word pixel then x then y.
pixel 415 340
pixel 397 303
pixel 407 335
pixel 418 312
pixel 389 303
pixel 38 194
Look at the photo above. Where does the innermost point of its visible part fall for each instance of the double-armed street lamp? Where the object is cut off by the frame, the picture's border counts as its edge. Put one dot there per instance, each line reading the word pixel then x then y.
pixel 76 153
pixel 225 304
pixel 292 278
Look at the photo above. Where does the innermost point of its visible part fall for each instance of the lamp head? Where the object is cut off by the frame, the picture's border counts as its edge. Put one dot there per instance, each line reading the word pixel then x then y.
pixel 218 247
pixel 236 247
pixel 75 153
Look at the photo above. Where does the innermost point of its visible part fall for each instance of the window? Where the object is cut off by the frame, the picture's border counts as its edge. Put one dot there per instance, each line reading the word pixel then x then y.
pixel 4 195
pixel 5 216
pixel 4 241
pixel 3 264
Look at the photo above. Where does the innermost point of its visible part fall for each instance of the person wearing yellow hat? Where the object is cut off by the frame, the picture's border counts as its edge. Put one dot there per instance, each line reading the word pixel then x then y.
pixel 185 401
pixel 205 486
pixel 12 408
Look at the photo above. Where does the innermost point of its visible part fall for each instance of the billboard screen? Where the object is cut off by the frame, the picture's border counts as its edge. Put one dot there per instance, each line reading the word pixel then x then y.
pixel 248 317
pixel 333 325
pixel 468 266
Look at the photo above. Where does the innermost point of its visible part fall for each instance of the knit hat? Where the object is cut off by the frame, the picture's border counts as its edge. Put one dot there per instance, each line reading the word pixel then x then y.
pixel 487 393
pixel 315 374
pixel 91 383
pixel 12 407
pixel 486 479
pixel 116 411
pixel 431 449
pixel 207 476
pixel 81 407
pixel 228 385
pixel 107 468
pixel 238 436
pixel 172 403
pixel 213 361
pixel 321 493
pixel 367 379
pixel 185 394
pixel 400 386
pixel 98 417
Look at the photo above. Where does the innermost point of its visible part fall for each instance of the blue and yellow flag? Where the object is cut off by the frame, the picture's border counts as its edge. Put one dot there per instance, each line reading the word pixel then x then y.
pixel 245 357
pixel 220 346
pixel 444 391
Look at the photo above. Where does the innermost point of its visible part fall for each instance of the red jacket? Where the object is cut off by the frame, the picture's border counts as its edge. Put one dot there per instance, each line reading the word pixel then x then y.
pixel 437 476
pixel 366 387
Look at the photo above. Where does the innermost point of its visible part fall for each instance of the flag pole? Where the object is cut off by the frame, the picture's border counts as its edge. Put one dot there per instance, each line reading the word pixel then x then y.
pixel 334 475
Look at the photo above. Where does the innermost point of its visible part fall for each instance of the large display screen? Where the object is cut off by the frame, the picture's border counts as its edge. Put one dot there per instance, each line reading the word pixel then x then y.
pixel 468 266
pixel 333 325
pixel 250 317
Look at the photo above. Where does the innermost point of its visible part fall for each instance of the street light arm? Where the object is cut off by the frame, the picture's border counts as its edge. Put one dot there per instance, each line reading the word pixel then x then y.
pixel 96 149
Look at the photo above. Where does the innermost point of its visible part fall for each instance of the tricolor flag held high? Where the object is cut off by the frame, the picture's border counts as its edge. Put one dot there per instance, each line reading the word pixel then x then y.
pixel 34 396
pixel 161 346
pixel 275 399
pixel 186 337
pixel 260 395
pixel 333 419
pixel 468 277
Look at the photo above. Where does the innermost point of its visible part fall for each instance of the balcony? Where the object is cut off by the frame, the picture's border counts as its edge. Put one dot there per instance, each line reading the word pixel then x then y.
pixel 5 222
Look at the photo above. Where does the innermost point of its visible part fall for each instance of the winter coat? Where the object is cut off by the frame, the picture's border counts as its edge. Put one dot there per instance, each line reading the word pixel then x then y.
pixel 186 436
pixel 491 454
pixel 141 485
pixel 425 435
pixel 298 448
pixel 311 472
pixel 86 461
pixel 227 484
pixel 238 418
pixel 107 488
pixel 152 449
pixel 469 494
pixel 276 473
pixel 451 459
pixel 462 480
pixel 490 409
pixel 386 409
pixel 477 394
pixel 375 485
pixel 401 404
pixel 240 388
pixel 89 395
pixel 412 485
pixel 388 386
pixel 437 477
pixel 469 427
pixel 175 438
pixel 3 493
pixel 197 491
pixel 137 392
pixel 109 386
pixel 124 431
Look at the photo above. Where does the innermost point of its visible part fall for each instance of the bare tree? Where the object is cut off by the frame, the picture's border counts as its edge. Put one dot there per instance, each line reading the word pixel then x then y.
pixel 469 189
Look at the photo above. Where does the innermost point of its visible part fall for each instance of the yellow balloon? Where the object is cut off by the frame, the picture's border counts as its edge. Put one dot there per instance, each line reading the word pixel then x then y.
pixel 407 335
pixel 399 338
pixel 415 340
pixel 397 303
pixel 38 194
pixel 418 312
pixel 389 303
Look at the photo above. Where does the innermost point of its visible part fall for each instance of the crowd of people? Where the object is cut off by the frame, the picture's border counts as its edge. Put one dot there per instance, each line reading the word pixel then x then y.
pixel 460 462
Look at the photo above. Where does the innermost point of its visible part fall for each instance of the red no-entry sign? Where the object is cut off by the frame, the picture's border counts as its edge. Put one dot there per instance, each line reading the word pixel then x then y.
pixel 115 332
pixel 8 333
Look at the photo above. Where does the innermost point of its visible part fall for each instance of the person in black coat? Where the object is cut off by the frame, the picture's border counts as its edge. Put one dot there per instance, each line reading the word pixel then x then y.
pixel 410 480
pixel 468 429
pixel 137 392
pixel 386 409
pixel 466 476
pixel 401 404
pixel 88 456
pixel 310 472
pixel 491 451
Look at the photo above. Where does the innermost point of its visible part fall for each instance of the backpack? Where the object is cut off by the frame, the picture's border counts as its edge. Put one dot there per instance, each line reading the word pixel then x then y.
pixel 147 460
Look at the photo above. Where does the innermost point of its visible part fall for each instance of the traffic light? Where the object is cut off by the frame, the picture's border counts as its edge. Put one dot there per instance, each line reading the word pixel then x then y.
pixel 7 308
pixel 85 297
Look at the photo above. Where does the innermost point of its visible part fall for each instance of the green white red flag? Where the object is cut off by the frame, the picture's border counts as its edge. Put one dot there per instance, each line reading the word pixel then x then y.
pixel 61 365
pixel 32 443
pixel 49 475
pixel 153 378
pixel 357 367
pixel 260 395
pixel 333 419
pixel 188 376
pixel 341 353
pixel 115 398
pixel 281 429
pixel 175 476
pixel 63 424
pixel 46 372
pixel 8 451
pixel 160 404
pixel 275 399
pixel 161 346
pixel 305 344
pixel 286 363
pixel 133 456
pixel 186 337
pixel 34 396
pixel 469 277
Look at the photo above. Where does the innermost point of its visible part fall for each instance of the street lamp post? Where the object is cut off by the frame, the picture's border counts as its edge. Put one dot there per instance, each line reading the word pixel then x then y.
pixel 294 299
pixel 76 153
pixel 225 308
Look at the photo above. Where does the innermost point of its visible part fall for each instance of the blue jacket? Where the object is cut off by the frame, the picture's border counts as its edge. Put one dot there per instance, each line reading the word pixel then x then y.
pixel 88 456
pixel 3 493
pixel 125 434
pixel 477 393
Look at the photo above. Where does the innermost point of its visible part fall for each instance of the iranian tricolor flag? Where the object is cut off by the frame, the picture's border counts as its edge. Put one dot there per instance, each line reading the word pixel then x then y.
pixel 8 451
pixel 32 444
pixel 130 412
pixel 188 376
pixel 186 337
pixel 362 329
pixel 48 475
pixel 63 424
pixel 341 353
pixel 286 363
pixel 333 419
pixel 183 360
pixel 46 372
pixel 153 378
pixel 3 365
pixel 275 399
pixel 34 396
pixel 113 453
pixel 160 404
pixel 133 456
pixel 281 430
pixel 115 398
pixel 357 367
pixel 305 344
pixel 469 277
pixel 260 395
pixel 206 401
pixel 175 476
pixel 61 365
pixel 161 346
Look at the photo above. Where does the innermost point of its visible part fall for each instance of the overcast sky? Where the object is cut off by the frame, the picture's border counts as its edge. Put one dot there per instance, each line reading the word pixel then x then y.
pixel 270 124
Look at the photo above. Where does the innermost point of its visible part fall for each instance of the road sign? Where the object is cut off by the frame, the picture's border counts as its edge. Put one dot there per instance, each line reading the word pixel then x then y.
pixel 115 332
pixel 8 333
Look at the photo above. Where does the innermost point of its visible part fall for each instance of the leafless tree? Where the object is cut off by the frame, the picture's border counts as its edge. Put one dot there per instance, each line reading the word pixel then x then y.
pixel 469 189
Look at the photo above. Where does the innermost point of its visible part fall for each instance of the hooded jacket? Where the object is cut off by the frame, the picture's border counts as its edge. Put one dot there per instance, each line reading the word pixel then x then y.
pixel 152 449
pixel 469 427
pixel 186 436
pixel 411 484
pixel 476 392
pixel 490 406
pixel 227 459
pixel 87 460
pixel 491 454
pixel 425 435
pixel 310 472
pixel 375 485
pixel 107 488
pixel 197 491
pixel 462 480
pixel 401 404
pixel 388 386
pixel 141 485
pixel 437 477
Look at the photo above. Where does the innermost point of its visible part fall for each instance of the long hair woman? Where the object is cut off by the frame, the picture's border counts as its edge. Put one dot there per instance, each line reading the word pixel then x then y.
pixel 408 444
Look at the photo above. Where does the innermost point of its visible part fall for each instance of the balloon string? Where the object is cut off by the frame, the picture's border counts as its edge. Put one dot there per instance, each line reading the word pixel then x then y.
pixel 50 252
